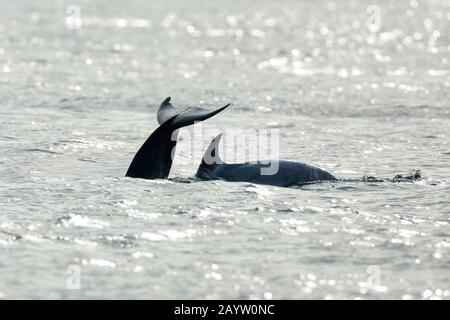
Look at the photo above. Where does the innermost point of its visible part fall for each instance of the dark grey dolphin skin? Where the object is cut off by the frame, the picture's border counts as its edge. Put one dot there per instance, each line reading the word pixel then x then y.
pixel 154 158
pixel 289 172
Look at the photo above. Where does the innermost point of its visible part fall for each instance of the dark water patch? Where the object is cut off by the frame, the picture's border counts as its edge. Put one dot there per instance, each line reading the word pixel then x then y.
pixel 40 61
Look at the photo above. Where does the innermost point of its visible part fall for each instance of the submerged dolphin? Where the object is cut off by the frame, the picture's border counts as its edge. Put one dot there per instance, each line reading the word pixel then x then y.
pixel 289 172
pixel 154 158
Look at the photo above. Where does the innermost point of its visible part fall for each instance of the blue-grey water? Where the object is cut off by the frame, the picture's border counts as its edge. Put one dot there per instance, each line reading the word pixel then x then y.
pixel 353 88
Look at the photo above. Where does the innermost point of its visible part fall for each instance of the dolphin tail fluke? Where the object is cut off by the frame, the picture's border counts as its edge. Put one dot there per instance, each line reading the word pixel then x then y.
pixel 193 115
pixel 154 158
pixel 165 111
pixel 186 117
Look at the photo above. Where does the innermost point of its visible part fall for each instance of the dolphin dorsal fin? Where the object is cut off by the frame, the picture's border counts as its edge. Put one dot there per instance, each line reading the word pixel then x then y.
pixel 211 156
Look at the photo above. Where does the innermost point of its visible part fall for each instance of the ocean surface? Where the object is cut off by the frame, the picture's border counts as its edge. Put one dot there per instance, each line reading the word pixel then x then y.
pixel 354 88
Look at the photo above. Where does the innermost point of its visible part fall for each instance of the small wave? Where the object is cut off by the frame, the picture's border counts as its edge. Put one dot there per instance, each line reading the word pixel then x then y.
pixel 277 125
pixel 40 150
pixel 260 191
pixel 102 263
pixel 137 214
pixel 77 145
pixel 171 235
pixel 182 180
pixel 124 203
pixel 9 137
pixel 413 176
pixel 118 241
pixel 74 220
pixel 8 238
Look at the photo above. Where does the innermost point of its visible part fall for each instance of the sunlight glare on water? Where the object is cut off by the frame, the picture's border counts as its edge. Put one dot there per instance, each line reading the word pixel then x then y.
pixel 79 92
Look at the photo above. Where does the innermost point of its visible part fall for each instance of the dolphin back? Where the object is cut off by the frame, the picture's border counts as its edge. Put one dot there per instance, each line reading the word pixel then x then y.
pixel 280 173
pixel 285 174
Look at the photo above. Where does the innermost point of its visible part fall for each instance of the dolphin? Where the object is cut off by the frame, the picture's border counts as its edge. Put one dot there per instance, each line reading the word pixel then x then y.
pixel 154 158
pixel 289 173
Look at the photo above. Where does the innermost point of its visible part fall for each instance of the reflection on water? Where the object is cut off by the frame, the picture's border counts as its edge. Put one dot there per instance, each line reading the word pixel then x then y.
pixel 359 90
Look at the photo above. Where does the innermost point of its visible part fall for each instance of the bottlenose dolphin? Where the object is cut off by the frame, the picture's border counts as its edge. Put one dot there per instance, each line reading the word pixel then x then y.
pixel 154 158
pixel 289 173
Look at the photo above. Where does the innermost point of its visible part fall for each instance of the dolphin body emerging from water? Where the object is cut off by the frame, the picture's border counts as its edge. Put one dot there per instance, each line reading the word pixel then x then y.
pixel 287 173
pixel 154 158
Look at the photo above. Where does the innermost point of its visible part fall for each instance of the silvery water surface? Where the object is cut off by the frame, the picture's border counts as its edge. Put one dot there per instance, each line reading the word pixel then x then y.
pixel 353 88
